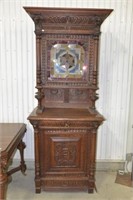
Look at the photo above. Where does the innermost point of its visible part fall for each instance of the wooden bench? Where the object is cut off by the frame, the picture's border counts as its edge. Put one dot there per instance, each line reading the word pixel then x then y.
pixel 11 135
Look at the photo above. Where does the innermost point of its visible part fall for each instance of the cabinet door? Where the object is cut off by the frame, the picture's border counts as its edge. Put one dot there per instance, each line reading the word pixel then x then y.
pixel 64 151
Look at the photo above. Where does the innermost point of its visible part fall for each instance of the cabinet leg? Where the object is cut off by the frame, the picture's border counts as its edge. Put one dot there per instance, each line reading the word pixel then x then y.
pixel 38 190
pixel 90 190
pixel 38 186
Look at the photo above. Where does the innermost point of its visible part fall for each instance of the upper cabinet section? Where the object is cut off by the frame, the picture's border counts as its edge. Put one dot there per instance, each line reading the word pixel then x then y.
pixel 67 48
pixel 67 45
pixel 67 20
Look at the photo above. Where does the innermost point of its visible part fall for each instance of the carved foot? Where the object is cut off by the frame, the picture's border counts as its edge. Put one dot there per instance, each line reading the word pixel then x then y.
pixel 90 190
pixel 38 190
pixel 23 169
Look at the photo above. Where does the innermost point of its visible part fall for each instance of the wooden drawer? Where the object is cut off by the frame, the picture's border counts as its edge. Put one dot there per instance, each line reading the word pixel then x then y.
pixel 68 124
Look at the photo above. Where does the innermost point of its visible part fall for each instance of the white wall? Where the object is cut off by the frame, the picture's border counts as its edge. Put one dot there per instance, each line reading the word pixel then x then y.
pixel 17 70
pixel 130 121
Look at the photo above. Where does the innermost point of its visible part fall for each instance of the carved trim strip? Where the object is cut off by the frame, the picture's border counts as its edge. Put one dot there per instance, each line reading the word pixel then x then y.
pixel 68 124
pixel 65 183
pixel 77 20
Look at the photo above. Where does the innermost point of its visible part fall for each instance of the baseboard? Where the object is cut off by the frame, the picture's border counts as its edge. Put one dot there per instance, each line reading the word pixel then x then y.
pixel 101 165
pixel 110 165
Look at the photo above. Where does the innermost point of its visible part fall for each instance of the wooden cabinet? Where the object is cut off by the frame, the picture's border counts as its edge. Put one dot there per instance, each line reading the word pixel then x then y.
pixel 66 121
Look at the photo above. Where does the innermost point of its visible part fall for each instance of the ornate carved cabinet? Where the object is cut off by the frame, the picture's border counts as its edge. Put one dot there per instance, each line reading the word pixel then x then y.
pixel 66 121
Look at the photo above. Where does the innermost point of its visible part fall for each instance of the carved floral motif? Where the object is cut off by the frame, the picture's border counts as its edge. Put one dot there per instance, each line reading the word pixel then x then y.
pixel 65 154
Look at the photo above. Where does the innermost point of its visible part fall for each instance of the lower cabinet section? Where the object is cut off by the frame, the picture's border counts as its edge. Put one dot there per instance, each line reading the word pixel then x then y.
pixel 63 162
pixel 65 149
pixel 65 156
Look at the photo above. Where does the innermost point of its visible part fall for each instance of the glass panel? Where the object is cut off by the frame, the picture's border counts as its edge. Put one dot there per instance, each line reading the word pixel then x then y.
pixel 67 61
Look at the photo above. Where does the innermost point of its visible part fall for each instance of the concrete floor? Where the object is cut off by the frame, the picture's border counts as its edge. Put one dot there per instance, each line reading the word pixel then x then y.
pixel 22 188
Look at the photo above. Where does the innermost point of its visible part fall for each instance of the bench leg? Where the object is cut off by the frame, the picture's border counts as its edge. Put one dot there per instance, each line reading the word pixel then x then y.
pixel 21 148
pixel 3 181
pixel 22 166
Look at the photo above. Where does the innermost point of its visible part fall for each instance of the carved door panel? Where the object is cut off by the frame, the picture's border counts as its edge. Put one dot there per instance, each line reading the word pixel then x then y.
pixel 63 151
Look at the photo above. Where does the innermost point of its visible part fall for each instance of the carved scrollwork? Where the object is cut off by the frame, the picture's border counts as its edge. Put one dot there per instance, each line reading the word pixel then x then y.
pixel 97 20
pixel 38 21
pixel 79 95
pixel 39 96
pixel 65 154
pixel 35 125
pixel 70 21
pixel 93 97
pixel 54 94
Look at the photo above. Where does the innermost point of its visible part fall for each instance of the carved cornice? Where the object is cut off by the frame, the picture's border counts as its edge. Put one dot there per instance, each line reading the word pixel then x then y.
pixel 87 24
pixel 66 19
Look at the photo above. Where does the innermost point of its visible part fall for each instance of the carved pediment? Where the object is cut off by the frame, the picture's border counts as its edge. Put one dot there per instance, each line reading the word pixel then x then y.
pixel 59 20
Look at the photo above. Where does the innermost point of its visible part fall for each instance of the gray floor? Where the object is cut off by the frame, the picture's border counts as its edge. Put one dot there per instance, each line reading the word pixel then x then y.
pixel 22 188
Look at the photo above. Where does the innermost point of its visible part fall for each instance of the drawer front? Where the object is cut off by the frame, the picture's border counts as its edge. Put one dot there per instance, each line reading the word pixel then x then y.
pixel 68 124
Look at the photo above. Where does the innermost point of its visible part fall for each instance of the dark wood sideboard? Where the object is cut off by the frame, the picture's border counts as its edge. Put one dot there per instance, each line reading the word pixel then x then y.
pixel 66 120
pixel 11 135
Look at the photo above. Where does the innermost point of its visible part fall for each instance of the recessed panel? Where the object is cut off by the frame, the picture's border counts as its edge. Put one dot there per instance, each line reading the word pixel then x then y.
pixel 66 152
pixel 63 151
